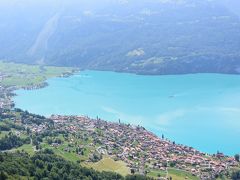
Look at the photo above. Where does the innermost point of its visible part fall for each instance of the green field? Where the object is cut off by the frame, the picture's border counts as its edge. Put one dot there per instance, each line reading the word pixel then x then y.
pixel 27 148
pixel 22 75
pixel 108 164
pixel 180 175
pixel 156 174
pixel 3 133
pixel 174 173
pixel 68 155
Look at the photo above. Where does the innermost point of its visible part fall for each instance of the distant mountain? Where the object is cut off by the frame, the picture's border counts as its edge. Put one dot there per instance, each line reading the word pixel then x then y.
pixel 138 36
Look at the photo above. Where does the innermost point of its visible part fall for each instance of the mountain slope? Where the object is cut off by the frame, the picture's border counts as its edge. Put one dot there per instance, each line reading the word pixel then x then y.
pixel 145 37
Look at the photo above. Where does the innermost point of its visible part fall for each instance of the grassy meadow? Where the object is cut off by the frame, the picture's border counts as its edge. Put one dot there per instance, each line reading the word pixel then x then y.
pixel 22 75
pixel 108 164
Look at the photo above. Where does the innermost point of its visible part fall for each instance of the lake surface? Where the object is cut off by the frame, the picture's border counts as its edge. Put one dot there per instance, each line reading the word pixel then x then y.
pixel 200 110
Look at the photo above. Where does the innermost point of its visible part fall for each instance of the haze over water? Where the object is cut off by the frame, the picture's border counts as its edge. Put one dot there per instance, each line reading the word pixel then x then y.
pixel 199 110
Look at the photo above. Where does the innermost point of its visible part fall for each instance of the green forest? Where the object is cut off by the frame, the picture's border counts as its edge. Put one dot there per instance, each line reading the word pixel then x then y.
pixel 46 165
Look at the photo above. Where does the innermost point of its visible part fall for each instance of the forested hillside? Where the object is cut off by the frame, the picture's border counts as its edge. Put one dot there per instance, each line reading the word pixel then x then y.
pixel 47 165
pixel 146 37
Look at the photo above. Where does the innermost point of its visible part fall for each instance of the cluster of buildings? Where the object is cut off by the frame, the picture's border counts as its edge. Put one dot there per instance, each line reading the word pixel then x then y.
pixel 38 128
pixel 5 93
pixel 3 76
pixel 143 150
pixel 5 97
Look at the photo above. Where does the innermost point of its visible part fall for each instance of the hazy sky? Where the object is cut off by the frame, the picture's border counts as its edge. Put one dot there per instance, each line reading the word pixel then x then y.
pixel 51 2
pixel 59 4
pixel 233 5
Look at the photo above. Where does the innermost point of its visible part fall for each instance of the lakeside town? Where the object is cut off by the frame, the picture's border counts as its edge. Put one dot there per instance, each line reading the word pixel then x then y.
pixel 141 149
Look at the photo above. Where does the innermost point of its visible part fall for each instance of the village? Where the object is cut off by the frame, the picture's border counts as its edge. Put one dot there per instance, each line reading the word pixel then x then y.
pixel 142 150
pixel 5 97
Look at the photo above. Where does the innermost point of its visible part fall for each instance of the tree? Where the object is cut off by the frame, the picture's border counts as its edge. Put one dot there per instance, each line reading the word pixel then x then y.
pixel 35 142
pixel 1 158
pixel 172 164
pixel 3 176
pixel 10 141
pixel 136 177
pixel 235 175
pixel 237 157
pixel 28 130
pixel 49 140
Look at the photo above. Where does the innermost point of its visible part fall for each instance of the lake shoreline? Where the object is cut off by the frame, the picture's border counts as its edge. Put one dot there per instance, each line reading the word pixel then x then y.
pixel 86 75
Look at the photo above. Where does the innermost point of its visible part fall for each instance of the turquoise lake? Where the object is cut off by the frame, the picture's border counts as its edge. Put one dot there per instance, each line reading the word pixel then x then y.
pixel 199 110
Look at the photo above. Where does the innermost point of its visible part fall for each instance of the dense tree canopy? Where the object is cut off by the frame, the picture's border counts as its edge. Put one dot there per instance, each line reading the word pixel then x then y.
pixel 45 164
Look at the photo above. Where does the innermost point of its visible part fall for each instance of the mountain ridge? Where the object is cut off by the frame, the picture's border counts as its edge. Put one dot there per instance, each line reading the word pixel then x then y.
pixel 147 37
